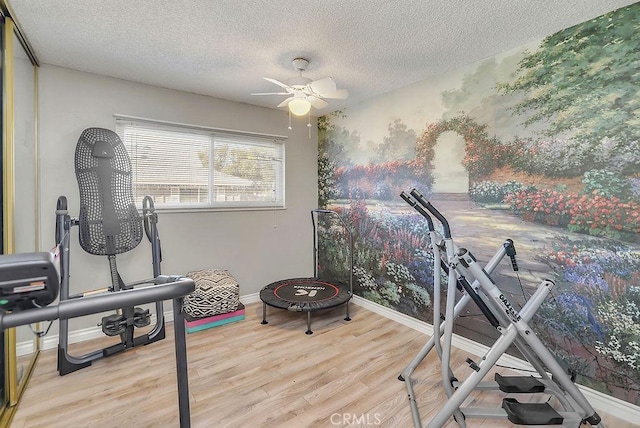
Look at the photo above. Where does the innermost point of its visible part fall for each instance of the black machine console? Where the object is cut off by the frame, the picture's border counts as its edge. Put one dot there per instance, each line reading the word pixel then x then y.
pixel 28 281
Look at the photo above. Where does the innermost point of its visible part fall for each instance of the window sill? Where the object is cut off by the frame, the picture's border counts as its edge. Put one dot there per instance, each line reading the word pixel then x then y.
pixel 177 210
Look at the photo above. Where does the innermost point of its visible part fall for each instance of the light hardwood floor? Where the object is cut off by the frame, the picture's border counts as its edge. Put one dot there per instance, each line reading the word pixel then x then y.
pixel 251 375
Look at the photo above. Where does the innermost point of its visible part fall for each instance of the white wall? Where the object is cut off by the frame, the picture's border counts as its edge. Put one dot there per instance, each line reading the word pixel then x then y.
pixel 258 247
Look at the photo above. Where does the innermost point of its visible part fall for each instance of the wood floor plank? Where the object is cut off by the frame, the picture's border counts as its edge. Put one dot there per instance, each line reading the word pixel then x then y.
pixel 246 374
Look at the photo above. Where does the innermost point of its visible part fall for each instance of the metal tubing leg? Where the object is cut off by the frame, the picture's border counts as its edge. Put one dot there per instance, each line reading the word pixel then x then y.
pixel 500 346
pixel 181 363
pixel 434 341
pixel 448 331
pixel 520 323
pixel 347 318
pixel 406 373
pixel 462 392
pixel 264 314
pixel 466 299
pixel 308 323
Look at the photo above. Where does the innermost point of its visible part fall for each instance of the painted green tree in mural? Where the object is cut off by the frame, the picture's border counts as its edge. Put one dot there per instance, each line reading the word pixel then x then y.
pixel 331 154
pixel 584 81
pixel 399 144
pixel 334 141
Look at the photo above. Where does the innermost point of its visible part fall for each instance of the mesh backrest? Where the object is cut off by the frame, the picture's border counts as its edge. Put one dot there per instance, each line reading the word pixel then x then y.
pixel 109 221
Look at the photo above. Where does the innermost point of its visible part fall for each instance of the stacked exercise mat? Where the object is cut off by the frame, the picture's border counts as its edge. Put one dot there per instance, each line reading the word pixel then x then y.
pixel 215 301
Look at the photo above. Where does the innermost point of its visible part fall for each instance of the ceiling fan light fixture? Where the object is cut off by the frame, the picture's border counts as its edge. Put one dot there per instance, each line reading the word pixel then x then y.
pixel 304 93
pixel 299 106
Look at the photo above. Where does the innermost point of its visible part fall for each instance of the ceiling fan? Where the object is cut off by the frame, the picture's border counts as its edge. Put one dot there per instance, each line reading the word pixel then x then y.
pixel 304 92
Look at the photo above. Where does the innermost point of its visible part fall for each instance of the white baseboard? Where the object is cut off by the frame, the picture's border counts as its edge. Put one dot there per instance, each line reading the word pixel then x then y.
pixel 250 298
pixel 602 402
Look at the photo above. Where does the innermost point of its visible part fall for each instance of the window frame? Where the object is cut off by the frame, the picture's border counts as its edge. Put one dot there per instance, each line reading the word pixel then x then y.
pixel 226 135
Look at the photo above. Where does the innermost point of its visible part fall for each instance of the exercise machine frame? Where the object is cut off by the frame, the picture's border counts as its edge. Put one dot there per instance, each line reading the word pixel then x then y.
pixel 513 328
pixel 26 271
pixel 68 363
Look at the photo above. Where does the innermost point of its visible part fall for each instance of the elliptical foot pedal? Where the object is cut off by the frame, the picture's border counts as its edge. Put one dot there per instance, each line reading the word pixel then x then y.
pixel 531 413
pixel 519 384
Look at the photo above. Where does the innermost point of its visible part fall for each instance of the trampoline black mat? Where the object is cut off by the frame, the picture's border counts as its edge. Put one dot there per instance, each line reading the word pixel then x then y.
pixel 304 294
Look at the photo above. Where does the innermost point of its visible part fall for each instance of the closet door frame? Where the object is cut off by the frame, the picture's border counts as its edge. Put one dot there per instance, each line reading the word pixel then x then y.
pixel 17 52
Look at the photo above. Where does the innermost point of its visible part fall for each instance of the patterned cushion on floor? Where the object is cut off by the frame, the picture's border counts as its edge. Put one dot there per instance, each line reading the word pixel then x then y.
pixel 217 292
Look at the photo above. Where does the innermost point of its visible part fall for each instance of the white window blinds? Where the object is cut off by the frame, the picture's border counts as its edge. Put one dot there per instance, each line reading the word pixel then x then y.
pixel 194 167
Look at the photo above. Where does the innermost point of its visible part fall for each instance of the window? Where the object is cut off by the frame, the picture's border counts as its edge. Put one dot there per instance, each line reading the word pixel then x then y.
pixel 183 166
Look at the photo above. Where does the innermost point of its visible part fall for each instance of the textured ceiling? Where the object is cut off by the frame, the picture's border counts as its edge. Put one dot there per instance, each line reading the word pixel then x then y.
pixel 223 48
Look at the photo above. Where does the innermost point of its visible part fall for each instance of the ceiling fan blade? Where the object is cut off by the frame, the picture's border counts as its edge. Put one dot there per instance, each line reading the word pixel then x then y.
pixel 323 86
pixel 285 102
pixel 270 93
pixel 317 102
pixel 277 82
pixel 338 94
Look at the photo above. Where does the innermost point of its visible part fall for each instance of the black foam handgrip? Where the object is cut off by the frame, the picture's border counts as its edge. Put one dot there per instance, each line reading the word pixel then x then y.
pixel 418 208
pixel 510 250
pixel 514 263
pixel 437 214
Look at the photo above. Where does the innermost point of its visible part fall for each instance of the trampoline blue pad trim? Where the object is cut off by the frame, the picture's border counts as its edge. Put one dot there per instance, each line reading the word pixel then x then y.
pixel 305 294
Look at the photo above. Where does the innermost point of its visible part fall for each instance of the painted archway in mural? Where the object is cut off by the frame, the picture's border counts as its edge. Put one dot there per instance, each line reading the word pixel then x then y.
pixel 449 174
pixel 482 154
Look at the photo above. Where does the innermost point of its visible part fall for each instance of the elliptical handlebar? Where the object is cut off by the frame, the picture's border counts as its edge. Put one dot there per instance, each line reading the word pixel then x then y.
pixel 418 208
pixel 437 214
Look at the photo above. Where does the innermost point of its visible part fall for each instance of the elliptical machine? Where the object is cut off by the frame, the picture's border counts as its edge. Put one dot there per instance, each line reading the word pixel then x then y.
pixel 109 224
pixel 512 325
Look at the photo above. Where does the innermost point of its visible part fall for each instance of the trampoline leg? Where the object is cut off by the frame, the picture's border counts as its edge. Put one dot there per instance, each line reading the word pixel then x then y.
pixel 264 314
pixel 308 323
pixel 347 318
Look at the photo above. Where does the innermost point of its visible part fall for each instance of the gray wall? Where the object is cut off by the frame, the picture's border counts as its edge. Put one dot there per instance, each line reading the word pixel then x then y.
pixel 258 247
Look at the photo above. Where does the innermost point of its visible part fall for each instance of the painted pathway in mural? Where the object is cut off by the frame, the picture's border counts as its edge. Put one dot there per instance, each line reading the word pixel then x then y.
pixel 545 139
pixel 483 230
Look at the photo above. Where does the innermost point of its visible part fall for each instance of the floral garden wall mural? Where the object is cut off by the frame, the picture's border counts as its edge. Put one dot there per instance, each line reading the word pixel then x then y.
pixel 541 145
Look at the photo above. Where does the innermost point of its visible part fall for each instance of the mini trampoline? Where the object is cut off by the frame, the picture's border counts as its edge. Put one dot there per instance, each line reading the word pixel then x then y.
pixel 314 293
